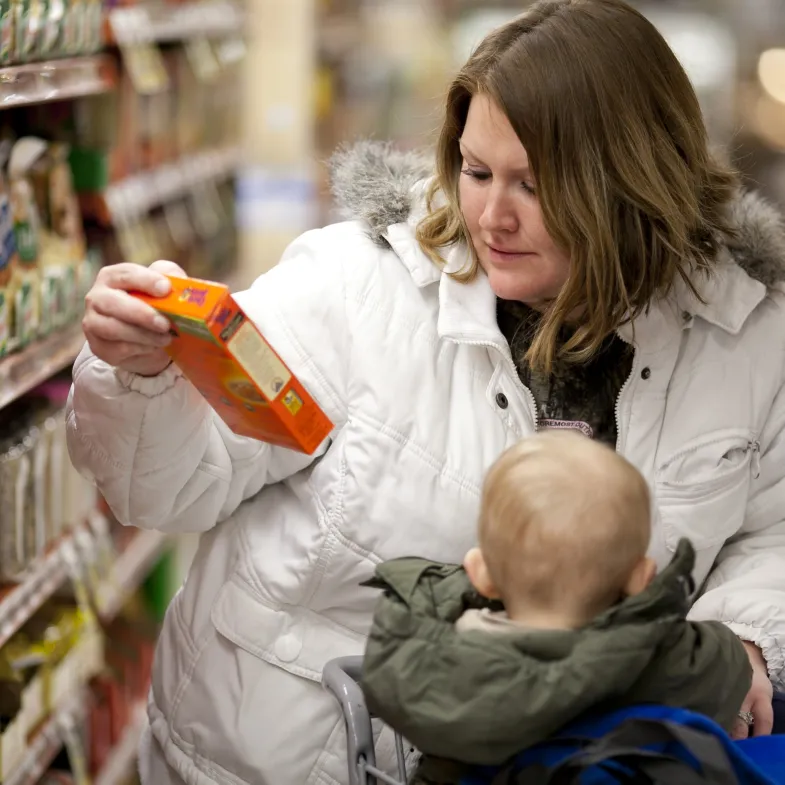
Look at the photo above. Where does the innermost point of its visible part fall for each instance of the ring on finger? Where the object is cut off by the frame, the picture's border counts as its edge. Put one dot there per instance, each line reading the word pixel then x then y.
pixel 747 717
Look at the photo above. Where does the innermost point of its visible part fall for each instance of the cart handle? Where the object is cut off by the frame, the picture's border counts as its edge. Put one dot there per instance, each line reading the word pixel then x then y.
pixel 341 677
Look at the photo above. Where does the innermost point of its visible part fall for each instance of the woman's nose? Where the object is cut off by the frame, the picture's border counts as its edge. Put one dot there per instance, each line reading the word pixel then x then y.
pixel 499 213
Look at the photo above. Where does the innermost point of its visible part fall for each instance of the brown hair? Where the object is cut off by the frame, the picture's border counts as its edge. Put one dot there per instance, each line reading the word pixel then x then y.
pixel 619 151
pixel 563 522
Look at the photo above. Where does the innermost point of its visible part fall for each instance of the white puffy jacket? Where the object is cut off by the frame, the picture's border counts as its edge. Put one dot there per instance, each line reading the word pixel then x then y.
pixel 410 365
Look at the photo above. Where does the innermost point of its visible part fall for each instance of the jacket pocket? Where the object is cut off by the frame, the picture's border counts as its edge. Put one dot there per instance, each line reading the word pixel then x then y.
pixel 702 490
pixel 292 638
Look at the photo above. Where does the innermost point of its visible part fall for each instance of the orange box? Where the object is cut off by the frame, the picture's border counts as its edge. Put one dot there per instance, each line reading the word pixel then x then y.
pixel 221 351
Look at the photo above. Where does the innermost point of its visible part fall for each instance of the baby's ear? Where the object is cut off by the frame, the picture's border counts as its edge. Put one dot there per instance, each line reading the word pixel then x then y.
pixel 641 576
pixel 477 570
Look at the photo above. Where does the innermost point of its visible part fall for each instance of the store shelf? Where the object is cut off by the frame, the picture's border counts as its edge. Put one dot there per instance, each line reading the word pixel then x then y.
pixel 21 372
pixel 128 571
pixel 19 603
pixel 48 742
pixel 122 759
pixel 136 195
pixel 56 80
pixel 159 22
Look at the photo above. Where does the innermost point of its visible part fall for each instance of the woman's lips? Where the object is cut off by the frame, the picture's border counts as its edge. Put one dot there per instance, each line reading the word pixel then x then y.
pixel 500 256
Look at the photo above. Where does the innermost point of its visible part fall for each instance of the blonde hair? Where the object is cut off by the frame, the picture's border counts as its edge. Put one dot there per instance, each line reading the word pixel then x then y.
pixel 563 522
pixel 619 151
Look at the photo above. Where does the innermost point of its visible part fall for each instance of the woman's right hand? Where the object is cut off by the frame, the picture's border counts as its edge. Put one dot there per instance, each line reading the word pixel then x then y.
pixel 122 330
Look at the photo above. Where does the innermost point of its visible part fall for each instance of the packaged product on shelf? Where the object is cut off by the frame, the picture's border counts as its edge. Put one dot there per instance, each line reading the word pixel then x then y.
pixel 228 360
pixel 58 650
pixel 21 695
pixel 41 494
pixel 13 745
pixel 95 25
pixel 147 68
pixel 53 434
pixel 73 26
pixel 189 106
pixel 151 77
pixel 8 264
pixel 52 38
pixel 8 16
pixel 155 129
pixel 31 19
pixel 36 538
pixel 31 299
pixel 79 496
pixel 27 493
pixel 63 247
pixel 124 156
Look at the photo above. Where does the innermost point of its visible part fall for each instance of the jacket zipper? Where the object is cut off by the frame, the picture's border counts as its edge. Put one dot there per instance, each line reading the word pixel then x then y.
pixel 617 407
pixel 517 380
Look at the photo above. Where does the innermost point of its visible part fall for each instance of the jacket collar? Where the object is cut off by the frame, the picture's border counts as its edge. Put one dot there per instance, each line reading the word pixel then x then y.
pixel 727 297
pixel 467 311
pixel 384 188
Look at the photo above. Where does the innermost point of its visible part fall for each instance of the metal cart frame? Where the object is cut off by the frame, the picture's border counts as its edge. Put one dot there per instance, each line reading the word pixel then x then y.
pixel 341 677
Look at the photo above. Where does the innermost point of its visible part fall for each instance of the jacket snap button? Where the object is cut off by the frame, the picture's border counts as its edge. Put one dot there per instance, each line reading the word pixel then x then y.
pixel 645 373
pixel 288 647
pixel 501 401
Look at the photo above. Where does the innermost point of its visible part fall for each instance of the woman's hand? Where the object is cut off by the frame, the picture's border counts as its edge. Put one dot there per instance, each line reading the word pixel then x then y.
pixel 758 700
pixel 122 330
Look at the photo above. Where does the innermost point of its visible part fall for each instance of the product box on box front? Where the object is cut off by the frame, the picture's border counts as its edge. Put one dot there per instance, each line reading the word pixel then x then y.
pixel 221 351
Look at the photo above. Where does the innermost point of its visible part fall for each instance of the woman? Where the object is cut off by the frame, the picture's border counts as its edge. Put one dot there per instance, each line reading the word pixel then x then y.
pixel 578 261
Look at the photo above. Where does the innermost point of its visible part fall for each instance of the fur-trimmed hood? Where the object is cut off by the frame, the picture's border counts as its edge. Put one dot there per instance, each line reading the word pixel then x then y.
pixel 376 183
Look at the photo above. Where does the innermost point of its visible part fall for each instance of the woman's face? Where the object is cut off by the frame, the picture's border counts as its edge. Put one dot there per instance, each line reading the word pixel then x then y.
pixel 499 203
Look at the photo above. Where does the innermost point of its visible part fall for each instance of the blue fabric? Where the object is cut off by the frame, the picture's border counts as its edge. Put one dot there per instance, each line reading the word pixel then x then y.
pixel 756 761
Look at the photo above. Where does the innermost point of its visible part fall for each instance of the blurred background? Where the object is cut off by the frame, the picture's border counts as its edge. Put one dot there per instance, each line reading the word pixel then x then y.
pixel 199 131
pixel 322 72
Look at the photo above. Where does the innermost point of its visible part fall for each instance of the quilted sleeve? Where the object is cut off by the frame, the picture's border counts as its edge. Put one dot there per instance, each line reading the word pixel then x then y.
pixel 156 450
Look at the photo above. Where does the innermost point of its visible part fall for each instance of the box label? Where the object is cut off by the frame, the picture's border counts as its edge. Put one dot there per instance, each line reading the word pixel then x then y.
pixel 259 361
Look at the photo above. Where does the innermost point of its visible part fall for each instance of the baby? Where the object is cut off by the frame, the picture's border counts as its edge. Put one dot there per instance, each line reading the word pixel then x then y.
pixel 563 533
pixel 556 613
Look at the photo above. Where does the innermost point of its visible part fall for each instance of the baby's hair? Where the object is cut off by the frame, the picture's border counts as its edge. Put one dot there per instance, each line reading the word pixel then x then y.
pixel 564 520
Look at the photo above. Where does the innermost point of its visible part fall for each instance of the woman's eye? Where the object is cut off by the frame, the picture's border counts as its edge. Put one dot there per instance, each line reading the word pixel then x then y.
pixel 475 175
pixel 528 188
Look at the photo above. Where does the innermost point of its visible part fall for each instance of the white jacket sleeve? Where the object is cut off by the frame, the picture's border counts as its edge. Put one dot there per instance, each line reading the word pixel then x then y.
pixel 746 589
pixel 156 450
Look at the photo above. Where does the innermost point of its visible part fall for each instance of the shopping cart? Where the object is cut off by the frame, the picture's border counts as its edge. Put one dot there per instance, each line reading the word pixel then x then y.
pixel 341 677
pixel 758 764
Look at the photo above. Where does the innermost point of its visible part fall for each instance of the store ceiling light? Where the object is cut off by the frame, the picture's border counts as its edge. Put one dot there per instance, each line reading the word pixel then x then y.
pixel 771 73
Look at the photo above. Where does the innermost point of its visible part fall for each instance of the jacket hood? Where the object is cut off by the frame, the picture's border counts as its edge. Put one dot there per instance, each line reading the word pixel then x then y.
pixel 482 697
pixel 377 184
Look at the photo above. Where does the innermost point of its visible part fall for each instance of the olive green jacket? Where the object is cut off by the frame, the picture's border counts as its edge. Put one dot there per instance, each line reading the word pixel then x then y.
pixel 480 698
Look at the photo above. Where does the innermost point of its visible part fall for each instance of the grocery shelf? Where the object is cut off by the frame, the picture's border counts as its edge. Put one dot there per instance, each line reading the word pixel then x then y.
pixel 21 372
pixel 18 603
pixel 138 194
pixel 158 22
pixel 128 571
pixel 57 80
pixel 48 742
pixel 123 757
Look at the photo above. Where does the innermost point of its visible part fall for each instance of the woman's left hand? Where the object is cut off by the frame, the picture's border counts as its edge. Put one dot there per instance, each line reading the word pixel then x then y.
pixel 758 700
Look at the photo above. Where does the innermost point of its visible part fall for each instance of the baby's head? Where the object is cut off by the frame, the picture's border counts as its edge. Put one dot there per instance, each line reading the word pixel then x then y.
pixel 564 529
